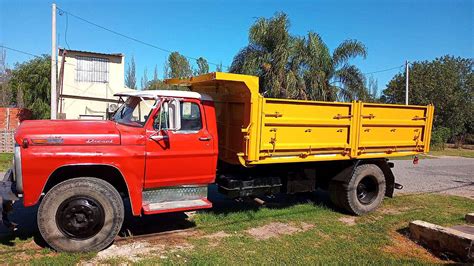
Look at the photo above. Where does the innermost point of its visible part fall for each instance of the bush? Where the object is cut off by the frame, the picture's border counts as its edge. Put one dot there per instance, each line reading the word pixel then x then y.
pixel 469 139
pixel 439 137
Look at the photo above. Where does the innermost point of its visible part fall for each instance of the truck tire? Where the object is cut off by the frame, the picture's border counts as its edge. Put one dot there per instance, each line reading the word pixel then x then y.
pixel 360 193
pixel 81 215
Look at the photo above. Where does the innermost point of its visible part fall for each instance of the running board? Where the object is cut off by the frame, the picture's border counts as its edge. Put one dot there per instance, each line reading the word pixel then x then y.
pixel 177 206
pixel 175 199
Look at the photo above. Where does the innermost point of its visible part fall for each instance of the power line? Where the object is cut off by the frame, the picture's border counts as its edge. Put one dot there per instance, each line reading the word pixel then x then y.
pixel 30 54
pixel 20 51
pixel 128 37
pixel 384 70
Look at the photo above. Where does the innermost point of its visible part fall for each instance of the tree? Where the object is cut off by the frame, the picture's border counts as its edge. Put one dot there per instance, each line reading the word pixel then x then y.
pixel 6 93
pixel 219 67
pixel 130 76
pixel 155 73
pixel 178 66
pixel 30 82
pixel 203 66
pixel 144 80
pixel 299 67
pixel 447 83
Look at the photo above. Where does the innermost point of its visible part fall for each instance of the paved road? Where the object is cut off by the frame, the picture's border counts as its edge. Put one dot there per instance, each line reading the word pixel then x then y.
pixel 451 175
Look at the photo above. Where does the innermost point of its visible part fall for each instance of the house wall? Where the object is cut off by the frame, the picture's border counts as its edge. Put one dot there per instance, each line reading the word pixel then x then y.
pixel 89 99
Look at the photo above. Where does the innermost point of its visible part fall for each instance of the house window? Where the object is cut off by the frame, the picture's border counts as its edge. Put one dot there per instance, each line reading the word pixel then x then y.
pixel 92 69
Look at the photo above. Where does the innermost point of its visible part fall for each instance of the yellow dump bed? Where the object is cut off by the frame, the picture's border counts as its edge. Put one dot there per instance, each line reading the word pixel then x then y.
pixel 257 130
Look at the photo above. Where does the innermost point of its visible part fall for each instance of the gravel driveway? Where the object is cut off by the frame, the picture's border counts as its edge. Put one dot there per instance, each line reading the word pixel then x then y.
pixel 451 175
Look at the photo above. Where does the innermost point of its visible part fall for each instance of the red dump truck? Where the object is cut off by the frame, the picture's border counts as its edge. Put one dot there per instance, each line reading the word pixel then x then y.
pixel 161 149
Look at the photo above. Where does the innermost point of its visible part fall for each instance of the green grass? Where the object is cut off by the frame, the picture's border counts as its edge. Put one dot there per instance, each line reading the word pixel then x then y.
pixel 454 152
pixel 5 161
pixel 377 238
pixel 436 153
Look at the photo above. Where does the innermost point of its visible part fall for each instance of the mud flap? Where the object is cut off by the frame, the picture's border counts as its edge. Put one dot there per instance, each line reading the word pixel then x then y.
pixel 7 198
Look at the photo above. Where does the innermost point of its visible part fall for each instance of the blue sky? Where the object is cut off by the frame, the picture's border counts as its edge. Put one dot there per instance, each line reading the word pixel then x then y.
pixel 393 31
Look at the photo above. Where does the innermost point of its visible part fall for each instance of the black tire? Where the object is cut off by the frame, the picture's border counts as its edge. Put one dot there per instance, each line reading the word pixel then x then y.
pixel 81 215
pixel 349 194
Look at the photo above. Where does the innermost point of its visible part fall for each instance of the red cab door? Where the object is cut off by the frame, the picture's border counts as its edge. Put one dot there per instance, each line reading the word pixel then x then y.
pixel 180 157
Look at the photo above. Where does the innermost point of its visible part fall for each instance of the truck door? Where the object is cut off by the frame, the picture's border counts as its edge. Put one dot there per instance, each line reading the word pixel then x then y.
pixel 184 156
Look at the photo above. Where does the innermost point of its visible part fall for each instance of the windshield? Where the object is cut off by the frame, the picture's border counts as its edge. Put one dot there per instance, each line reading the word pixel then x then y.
pixel 134 112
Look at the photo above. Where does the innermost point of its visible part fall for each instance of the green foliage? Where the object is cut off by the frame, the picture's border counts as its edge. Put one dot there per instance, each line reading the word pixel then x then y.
pixel 5 161
pixel 178 66
pixel 157 85
pixel 300 67
pixel 144 80
pixel 130 75
pixel 219 68
pixel 446 82
pixel 439 137
pixel 31 81
pixel 203 66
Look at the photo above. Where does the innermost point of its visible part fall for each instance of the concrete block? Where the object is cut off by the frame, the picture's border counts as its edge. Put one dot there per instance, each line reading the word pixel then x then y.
pixel 442 240
pixel 470 218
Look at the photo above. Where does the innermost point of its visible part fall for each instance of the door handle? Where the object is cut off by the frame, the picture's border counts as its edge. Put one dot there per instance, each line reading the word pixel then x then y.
pixel 204 138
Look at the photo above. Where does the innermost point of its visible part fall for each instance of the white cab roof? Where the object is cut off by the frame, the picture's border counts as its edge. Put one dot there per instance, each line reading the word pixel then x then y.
pixel 165 93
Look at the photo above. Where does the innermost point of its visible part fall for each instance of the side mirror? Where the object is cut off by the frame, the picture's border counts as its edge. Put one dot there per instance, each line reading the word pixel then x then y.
pixel 159 135
pixel 174 110
pixel 170 111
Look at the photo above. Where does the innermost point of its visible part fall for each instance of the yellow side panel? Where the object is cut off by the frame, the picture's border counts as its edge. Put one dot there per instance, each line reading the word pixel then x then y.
pixel 393 127
pixel 302 127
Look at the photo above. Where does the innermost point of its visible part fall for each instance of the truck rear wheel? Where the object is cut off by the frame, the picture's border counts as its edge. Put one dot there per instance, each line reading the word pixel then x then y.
pixel 81 215
pixel 360 193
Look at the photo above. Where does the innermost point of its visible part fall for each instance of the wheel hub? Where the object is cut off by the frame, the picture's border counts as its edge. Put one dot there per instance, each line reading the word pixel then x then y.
pixel 80 217
pixel 367 190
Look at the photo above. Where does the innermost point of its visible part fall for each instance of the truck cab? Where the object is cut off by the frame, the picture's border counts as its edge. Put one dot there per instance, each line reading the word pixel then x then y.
pixel 161 149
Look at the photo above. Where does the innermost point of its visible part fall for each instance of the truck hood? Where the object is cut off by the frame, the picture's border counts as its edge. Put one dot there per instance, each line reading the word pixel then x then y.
pixel 68 132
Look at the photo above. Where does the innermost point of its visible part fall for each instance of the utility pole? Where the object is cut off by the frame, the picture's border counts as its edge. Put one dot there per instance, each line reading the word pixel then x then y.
pixel 54 96
pixel 406 82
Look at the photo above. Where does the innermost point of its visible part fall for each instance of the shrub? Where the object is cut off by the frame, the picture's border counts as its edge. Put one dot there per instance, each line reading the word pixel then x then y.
pixel 439 137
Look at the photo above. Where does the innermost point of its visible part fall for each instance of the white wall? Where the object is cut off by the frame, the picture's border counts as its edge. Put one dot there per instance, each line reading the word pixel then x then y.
pixel 74 108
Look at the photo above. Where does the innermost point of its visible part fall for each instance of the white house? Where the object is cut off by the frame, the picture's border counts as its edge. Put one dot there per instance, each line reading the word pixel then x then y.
pixel 87 83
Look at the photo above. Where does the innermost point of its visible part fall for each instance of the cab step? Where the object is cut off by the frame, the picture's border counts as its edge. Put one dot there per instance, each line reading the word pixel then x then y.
pixel 175 199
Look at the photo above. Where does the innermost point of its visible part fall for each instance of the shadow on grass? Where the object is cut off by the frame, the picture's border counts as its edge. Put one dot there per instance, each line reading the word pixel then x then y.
pixel 27 227
pixel 159 223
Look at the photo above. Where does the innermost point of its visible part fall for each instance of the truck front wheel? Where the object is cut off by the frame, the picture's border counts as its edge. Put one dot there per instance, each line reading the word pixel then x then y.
pixel 360 193
pixel 81 215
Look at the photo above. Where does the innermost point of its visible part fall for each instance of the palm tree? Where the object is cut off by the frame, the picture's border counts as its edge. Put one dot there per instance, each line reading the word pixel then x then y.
pixel 300 67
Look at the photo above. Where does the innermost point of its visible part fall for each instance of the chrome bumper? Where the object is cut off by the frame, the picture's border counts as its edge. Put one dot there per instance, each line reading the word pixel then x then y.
pixel 7 198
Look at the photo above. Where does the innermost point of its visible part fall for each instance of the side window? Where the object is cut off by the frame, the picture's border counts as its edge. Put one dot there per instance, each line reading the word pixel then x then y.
pixel 164 120
pixel 190 117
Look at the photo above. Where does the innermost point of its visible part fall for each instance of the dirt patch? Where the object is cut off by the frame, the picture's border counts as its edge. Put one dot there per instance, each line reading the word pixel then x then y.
pixel 348 220
pixel 394 211
pixel 218 235
pixel 131 251
pixel 277 229
pixel 134 250
pixel 403 247
pixel 216 238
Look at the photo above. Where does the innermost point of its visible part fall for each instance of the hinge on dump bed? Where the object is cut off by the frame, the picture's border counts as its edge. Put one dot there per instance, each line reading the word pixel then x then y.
pixel 276 115
pixel 246 138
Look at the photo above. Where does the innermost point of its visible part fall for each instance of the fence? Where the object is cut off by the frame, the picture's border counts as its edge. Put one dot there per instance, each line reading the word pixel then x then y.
pixel 10 119
pixel 6 141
